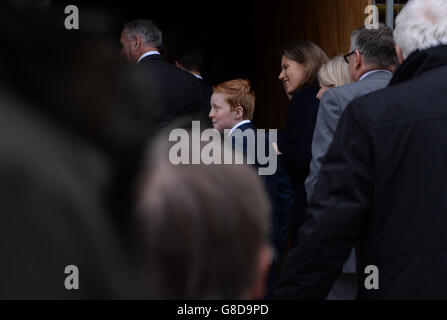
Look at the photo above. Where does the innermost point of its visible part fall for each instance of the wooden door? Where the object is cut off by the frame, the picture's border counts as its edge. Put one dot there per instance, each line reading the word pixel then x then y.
pixel 328 23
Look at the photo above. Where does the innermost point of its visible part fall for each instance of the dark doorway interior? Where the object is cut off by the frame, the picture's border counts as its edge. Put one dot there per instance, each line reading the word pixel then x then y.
pixel 225 31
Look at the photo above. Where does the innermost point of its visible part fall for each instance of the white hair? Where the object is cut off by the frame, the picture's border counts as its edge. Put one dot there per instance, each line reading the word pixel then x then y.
pixel 421 24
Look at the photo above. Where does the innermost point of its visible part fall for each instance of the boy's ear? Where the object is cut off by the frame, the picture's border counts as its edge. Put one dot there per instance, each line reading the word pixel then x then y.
pixel 239 115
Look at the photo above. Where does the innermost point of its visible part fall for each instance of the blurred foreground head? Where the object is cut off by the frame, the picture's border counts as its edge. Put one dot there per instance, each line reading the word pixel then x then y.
pixel 421 24
pixel 74 78
pixel 203 229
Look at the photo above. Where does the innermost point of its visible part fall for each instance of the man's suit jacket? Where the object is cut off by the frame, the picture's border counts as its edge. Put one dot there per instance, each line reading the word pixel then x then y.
pixel 332 105
pixel 172 92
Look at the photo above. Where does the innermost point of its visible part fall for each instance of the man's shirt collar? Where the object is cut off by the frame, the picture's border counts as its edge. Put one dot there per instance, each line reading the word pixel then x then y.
pixel 238 125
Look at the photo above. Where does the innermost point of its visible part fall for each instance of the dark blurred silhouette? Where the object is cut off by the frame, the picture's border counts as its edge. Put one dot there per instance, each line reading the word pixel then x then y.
pixel 72 132
pixel 170 91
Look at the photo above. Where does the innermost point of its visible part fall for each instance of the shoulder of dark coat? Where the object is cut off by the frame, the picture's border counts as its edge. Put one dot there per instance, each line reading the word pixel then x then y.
pixel 415 98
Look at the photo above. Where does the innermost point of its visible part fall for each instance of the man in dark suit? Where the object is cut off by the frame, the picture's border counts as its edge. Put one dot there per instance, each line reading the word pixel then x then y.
pixel 53 214
pixel 189 58
pixel 171 92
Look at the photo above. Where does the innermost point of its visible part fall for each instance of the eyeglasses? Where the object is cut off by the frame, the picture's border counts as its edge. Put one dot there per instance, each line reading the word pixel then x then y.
pixel 346 56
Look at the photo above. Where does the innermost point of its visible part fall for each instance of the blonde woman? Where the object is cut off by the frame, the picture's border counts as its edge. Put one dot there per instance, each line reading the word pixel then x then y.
pixel 333 74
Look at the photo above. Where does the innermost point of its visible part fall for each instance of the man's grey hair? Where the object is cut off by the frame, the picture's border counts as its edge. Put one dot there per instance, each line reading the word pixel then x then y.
pixel 149 32
pixel 420 25
pixel 376 45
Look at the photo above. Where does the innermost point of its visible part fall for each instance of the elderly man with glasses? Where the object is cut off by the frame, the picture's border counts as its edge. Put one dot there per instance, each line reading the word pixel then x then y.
pixel 371 59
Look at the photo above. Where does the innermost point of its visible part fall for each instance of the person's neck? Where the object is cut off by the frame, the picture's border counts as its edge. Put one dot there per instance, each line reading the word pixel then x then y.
pixel 146 50
pixel 370 68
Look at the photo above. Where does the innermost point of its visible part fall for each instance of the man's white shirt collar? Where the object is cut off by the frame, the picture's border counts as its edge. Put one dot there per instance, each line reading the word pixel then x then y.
pixel 371 72
pixel 197 76
pixel 238 125
pixel 149 53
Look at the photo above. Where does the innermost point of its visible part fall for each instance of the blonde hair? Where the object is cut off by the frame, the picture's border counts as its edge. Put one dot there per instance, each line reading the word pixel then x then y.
pixel 334 73
pixel 239 94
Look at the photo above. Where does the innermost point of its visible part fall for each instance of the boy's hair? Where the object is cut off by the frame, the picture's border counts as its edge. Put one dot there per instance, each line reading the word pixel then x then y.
pixel 421 25
pixel 239 94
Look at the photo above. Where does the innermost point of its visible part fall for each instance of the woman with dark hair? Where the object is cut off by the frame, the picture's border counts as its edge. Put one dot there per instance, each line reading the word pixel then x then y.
pixel 300 63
